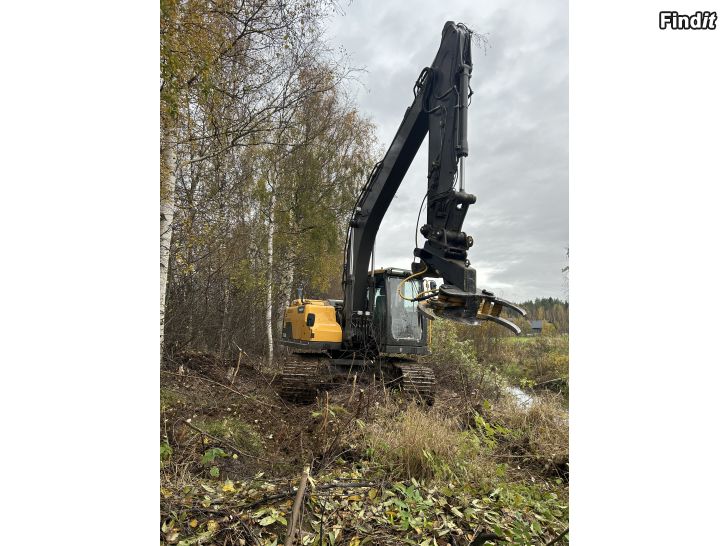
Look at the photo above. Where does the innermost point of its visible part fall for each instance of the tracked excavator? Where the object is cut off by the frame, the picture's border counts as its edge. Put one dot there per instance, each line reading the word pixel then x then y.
pixel 383 322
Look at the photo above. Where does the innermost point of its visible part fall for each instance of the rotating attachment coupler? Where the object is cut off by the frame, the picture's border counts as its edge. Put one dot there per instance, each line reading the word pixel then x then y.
pixel 473 309
pixel 457 299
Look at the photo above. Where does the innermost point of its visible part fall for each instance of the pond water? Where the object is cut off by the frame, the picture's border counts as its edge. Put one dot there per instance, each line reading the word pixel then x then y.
pixel 523 399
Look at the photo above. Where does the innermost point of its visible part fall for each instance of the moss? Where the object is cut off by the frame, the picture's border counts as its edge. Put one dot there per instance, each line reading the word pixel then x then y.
pixel 169 399
pixel 238 433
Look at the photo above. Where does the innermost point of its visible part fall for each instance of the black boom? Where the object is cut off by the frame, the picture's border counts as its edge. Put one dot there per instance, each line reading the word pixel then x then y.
pixel 440 107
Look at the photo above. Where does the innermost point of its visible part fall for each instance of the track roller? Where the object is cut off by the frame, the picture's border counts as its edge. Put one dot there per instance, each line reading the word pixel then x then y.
pixel 300 381
pixel 418 382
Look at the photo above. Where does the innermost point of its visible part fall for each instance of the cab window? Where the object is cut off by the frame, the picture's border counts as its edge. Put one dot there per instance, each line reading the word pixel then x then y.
pixel 406 321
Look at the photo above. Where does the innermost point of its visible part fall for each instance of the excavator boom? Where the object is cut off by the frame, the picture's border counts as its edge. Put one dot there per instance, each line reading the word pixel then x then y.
pixel 440 109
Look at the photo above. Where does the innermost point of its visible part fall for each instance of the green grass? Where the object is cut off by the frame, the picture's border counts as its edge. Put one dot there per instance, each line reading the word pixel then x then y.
pixel 524 339
pixel 534 360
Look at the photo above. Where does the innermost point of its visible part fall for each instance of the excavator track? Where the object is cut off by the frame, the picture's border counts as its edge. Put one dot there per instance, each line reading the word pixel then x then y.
pixel 418 382
pixel 300 381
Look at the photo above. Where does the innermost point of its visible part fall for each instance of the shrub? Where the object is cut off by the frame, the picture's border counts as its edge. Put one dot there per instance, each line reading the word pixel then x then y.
pixel 538 433
pixel 448 348
pixel 165 450
pixel 455 360
pixel 537 360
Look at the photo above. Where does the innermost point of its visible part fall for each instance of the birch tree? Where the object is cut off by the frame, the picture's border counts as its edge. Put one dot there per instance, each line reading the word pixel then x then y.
pixel 314 181
pixel 223 68
pixel 166 215
pixel 269 284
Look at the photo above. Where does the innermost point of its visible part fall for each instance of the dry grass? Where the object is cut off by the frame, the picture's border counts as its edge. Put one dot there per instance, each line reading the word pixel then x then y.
pixel 426 444
pixel 539 433
pixel 416 443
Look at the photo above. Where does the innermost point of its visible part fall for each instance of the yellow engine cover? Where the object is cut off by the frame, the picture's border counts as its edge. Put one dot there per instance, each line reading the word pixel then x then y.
pixel 311 321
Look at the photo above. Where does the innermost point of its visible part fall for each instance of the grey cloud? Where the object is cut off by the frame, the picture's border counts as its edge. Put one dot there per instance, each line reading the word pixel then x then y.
pixel 518 163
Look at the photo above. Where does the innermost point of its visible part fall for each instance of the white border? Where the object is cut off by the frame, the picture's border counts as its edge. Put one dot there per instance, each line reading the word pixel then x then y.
pixel 648 170
pixel 79 228
pixel 79 312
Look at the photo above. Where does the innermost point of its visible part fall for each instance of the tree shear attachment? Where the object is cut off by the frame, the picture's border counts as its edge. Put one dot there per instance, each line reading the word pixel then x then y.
pixel 473 309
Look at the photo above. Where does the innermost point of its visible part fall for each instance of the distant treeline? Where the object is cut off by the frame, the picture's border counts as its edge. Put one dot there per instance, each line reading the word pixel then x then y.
pixel 552 310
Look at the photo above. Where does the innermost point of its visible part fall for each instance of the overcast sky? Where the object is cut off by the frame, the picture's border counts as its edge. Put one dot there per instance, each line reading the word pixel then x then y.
pixel 518 129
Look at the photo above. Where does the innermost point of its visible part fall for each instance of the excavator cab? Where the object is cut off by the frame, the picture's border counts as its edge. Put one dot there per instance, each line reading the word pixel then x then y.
pixel 398 325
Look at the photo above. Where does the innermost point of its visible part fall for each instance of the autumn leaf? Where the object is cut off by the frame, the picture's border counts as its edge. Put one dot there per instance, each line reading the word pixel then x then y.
pixel 268 520
pixel 172 535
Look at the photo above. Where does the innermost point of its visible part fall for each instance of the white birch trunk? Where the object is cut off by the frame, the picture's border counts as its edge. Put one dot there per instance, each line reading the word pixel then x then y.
pixel 224 321
pixel 286 268
pixel 269 295
pixel 167 188
pixel 286 287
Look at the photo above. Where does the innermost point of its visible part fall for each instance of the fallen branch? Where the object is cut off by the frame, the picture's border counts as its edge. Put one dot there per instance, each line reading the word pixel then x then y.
pixel 223 442
pixel 549 381
pixel 237 368
pixel 482 537
pixel 293 520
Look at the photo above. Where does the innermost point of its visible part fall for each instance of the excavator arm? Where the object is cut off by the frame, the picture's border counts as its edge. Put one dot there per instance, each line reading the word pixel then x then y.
pixel 440 109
